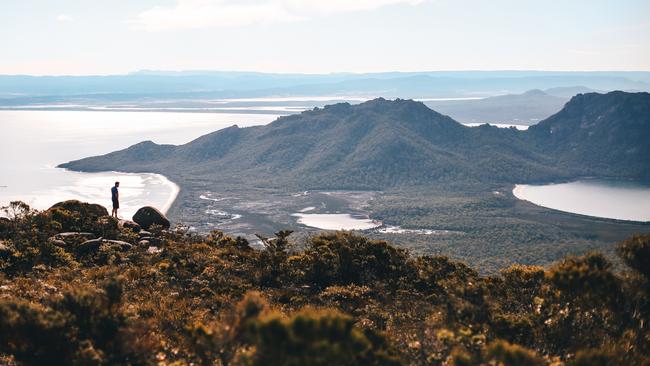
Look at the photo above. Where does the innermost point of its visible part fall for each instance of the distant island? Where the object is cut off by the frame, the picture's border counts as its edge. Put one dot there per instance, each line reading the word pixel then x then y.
pixel 419 161
pixel 382 144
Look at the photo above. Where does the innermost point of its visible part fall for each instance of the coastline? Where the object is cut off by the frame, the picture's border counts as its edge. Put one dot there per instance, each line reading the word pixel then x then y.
pixel 174 194
pixel 174 189
pixel 517 192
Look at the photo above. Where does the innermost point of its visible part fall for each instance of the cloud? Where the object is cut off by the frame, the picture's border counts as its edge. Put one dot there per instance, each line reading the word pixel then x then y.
pixel 64 18
pixel 189 14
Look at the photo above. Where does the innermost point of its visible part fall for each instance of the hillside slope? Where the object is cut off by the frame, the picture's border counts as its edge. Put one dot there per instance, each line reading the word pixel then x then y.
pixel 600 134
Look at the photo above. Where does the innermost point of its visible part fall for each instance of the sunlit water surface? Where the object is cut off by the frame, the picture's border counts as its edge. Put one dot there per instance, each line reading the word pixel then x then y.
pixel 600 198
pixel 33 143
pixel 336 221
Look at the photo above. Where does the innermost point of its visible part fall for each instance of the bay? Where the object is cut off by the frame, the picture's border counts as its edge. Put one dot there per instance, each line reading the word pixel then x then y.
pixel 33 143
pixel 612 199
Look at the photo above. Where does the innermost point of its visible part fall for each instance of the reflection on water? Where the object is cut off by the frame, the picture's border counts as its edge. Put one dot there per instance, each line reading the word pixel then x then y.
pixel 600 198
pixel 136 190
pixel 336 221
pixel 222 215
pixel 399 230
pixel 32 143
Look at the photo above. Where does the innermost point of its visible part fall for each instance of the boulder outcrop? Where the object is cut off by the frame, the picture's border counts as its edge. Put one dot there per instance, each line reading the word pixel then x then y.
pixel 84 209
pixel 148 216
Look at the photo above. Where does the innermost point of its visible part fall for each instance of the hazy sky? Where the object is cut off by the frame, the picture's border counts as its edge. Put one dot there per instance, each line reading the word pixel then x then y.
pixel 120 36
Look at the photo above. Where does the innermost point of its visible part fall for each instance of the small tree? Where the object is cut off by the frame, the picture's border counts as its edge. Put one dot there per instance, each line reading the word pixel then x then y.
pixel 316 338
pixel 635 251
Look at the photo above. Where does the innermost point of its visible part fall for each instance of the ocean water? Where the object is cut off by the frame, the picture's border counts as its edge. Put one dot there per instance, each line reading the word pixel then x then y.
pixel 33 143
pixel 599 198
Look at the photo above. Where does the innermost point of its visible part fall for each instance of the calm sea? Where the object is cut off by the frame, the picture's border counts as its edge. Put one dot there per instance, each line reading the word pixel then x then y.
pixel 33 143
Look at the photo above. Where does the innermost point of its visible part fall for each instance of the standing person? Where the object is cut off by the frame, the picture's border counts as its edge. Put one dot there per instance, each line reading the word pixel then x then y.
pixel 115 198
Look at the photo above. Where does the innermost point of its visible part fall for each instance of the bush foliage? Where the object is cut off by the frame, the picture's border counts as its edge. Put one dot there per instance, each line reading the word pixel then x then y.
pixel 342 300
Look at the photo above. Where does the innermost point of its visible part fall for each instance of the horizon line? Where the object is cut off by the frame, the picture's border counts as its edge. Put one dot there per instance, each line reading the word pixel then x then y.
pixel 188 72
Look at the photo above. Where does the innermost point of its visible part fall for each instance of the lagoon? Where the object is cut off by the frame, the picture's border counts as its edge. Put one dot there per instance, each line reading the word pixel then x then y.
pixel 611 199
pixel 336 221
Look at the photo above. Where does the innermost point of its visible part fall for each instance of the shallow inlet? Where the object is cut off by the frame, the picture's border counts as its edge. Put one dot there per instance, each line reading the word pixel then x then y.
pixel 611 199
pixel 336 221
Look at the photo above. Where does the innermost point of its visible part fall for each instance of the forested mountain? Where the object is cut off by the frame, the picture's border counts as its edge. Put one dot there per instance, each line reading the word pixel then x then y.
pixel 381 144
pixel 600 134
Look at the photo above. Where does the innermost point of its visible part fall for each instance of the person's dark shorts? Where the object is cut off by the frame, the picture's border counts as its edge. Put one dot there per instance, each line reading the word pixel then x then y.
pixel 116 204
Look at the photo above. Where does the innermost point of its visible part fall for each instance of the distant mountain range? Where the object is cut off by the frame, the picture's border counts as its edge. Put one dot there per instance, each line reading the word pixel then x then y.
pixel 21 89
pixel 523 109
pixel 384 144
